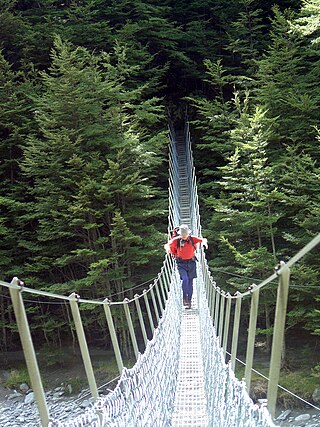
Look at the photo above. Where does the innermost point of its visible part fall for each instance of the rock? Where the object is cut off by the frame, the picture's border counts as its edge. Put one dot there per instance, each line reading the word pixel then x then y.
pixel 14 395
pixel 58 394
pixel 85 404
pixel 302 418
pixel 24 388
pixel 284 415
pixel 29 398
pixel 316 395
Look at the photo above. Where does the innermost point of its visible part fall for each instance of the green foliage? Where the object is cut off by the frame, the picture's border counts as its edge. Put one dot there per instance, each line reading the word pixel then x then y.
pixel 308 22
pixel 316 372
pixel 261 202
pixel 298 382
pixel 50 356
pixel 16 378
pixel 77 384
pixel 247 35
pixel 84 89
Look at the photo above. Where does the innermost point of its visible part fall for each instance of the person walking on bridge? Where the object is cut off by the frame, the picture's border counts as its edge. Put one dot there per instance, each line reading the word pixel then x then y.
pixel 182 247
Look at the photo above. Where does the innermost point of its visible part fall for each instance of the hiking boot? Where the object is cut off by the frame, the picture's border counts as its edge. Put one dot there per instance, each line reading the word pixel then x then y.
pixel 188 304
pixel 185 301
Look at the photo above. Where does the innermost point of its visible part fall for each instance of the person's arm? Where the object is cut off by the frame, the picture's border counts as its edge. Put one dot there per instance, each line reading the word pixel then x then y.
pixel 205 242
pixel 171 247
pixel 201 240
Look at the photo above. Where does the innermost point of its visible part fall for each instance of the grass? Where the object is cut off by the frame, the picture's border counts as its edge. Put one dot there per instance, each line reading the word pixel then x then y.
pixel 16 378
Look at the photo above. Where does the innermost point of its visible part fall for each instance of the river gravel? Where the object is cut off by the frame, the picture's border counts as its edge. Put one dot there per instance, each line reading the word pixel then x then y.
pixel 18 409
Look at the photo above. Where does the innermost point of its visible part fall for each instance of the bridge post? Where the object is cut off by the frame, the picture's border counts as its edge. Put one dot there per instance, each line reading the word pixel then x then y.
pixel 251 334
pixel 206 285
pixel 235 333
pixel 28 349
pixel 216 308
pixel 165 282
pixel 145 296
pixel 278 336
pixel 166 273
pixel 83 345
pixel 158 295
pixel 164 296
pixel 221 317
pixel 208 290
pixel 226 324
pixel 113 335
pixel 130 326
pixel 212 297
pixel 140 316
pixel 154 303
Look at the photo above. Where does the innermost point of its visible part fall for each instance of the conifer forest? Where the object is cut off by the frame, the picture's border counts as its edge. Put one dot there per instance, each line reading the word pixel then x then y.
pixel 87 89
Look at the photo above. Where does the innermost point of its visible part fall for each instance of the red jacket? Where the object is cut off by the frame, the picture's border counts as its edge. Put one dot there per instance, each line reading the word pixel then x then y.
pixel 187 250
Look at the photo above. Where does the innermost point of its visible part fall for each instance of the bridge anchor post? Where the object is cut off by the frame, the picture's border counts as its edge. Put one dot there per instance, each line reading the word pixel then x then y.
pixel 278 337
pixel 28 350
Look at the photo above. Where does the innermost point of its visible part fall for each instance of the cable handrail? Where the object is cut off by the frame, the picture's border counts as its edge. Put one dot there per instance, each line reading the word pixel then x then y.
pixel 21 287
pixel 283 266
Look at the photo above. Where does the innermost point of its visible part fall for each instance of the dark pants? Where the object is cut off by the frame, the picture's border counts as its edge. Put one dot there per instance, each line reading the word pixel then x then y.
pixel 188 272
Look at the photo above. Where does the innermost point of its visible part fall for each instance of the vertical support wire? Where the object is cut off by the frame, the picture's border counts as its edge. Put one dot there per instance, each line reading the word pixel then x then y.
pixel 278 336
pixel 131 328
pixel 251 335
pixel 28 350
pixel 83 345
pixel 235 332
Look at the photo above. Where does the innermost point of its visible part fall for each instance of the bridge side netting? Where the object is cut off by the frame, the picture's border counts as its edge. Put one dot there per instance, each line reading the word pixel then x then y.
pixel 144 394
pixel 229 403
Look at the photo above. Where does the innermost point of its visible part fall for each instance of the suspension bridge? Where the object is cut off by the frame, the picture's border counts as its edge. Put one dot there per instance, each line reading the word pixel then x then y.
pixel 180 377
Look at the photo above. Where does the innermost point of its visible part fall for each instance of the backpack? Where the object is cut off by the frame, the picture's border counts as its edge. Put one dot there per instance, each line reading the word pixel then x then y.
pixel 191 240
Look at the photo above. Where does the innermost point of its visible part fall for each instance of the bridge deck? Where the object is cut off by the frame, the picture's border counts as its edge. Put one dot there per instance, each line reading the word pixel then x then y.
pixel 190 402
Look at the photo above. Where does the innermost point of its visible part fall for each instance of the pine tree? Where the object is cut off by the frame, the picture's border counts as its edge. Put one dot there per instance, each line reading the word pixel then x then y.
pixel 244 209
pixel 215 120
pixel 87 162
pixel 247 36
pixel 287 83
pixel 308 22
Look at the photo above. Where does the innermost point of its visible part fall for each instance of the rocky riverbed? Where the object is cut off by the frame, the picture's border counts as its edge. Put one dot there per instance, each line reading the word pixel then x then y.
pixel 18 408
